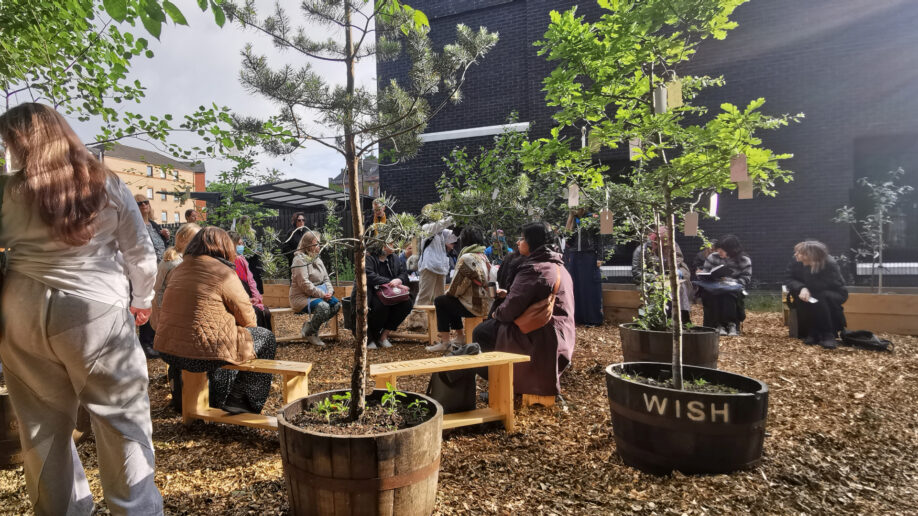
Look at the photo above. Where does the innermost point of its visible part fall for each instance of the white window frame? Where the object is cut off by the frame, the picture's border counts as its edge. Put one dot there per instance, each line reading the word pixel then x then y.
pixel 149 193
pixel 149 171
pixel 177 219
pixel 162 173
pixel 164 217
pixel 163 196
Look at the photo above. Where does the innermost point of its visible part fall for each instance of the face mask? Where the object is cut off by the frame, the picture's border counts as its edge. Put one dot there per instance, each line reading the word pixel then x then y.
pixel 240 248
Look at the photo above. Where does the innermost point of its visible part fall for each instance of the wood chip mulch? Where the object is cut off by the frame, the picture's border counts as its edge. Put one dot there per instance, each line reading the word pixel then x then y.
pixel 842 439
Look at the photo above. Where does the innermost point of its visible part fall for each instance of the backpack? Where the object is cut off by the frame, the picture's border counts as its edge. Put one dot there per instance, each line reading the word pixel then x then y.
pixel 864 339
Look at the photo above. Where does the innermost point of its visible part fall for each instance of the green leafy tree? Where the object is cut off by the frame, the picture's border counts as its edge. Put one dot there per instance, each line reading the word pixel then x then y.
pixel 233 185
pixel 359 119
pixel 603 87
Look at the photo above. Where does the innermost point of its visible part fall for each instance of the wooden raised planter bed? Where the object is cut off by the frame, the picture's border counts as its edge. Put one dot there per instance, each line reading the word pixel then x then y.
pixel 892 312
pixel 620 302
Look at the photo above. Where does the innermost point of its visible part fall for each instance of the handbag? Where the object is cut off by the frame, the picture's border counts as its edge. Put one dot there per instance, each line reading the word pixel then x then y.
pixel 392 295
pixel 455 390
pixel 539 313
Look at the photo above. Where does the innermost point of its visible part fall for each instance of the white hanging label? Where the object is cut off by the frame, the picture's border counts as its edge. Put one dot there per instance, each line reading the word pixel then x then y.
pixel 605 222
pixel 691 224
pixel 712 207
pixel 659 100
pixel 738 169
pixel 573 196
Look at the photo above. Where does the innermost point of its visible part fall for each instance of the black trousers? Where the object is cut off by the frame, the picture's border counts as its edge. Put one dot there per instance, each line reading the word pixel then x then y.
pixel 385 317
pixel 825 318
pixel 485 334
pixel 450 312
pixel 722 309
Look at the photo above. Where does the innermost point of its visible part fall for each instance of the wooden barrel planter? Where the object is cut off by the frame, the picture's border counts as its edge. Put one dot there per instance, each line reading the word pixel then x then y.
pixel 658 430
pixel 10 448
pixel 392 473
pixel 700 345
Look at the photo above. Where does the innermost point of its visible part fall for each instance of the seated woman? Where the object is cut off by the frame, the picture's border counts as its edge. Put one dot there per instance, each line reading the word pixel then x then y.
pixel 311 289
pixel 468 292
pixel 383 268
pixel 723 297
pixel 262 314
pixel 816 284
pixel 207 321
pixel 550 347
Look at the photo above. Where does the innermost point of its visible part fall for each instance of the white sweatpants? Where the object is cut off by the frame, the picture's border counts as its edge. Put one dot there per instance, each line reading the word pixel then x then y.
pixel 60 351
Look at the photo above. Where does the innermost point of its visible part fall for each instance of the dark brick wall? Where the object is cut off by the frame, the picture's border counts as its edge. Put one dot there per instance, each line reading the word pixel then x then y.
pixel 850 65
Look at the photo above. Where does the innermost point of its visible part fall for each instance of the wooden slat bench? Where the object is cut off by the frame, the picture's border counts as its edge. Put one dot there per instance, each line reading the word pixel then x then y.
pixel 500 383
pixel 431 336
pixel 196 397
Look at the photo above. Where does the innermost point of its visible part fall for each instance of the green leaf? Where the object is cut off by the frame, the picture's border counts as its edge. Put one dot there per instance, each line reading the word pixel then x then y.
pixel 202 4
pixel 227 142
pixel 219 15
pixel 174 13
pixel 420 19
pixel 117 9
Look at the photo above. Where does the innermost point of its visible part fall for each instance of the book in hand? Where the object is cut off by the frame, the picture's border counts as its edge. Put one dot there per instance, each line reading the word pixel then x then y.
pixel 715 273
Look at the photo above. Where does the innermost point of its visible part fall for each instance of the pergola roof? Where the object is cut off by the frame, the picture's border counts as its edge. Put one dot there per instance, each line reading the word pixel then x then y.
pixel 293 193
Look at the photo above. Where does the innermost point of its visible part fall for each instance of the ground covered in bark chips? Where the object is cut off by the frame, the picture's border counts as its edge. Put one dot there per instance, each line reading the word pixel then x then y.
pixel 842 439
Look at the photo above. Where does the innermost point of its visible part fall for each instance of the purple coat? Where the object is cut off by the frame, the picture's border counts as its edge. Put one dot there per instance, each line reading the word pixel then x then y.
pixel 551 347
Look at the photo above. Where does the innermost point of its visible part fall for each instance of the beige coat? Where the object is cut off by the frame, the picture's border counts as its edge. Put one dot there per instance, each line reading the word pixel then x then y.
pixel 305 279
pixel 205 313
pixel 470 285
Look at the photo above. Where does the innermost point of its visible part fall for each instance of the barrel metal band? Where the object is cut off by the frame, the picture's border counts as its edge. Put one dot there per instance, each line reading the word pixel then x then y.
pixel 355 485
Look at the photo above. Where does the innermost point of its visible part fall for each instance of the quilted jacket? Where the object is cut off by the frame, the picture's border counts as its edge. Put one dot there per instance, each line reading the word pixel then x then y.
pixel 305 279
pixel 205 313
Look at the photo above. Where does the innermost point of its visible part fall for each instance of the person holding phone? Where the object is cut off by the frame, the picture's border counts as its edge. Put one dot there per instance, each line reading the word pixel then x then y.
pixel 817 290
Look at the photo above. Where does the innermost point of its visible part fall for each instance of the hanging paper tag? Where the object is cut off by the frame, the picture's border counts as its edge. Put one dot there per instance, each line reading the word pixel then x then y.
pixel 745 189
pixel 738 170
pixel 712 207
pixel 594 143
pixel 659 100
pixel 634 149
pixel 494 194
pixel 573 196
pixel 605 222
pixel 691 224
pixel 673 94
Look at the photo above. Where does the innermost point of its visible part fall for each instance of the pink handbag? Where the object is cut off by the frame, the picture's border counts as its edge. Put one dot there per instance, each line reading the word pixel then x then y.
pixel 393 295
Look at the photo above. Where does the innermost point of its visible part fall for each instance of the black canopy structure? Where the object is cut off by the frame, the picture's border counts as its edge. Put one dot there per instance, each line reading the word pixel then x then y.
pixel 293 193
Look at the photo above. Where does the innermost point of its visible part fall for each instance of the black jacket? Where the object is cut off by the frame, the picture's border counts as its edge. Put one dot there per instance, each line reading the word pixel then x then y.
pixel 829 278
pixel 380 273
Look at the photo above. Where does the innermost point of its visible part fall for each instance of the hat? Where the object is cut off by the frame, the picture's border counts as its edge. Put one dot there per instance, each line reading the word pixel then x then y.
pixel 449 237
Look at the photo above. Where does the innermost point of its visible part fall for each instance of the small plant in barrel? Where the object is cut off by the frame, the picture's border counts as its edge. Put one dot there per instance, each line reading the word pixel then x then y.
pixel 356 119
pixel 617 81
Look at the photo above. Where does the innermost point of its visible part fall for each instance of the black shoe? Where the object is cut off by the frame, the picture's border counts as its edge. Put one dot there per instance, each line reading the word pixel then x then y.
pixel 234 404
pixel 149 352
pixel 828 342
pixel 810 340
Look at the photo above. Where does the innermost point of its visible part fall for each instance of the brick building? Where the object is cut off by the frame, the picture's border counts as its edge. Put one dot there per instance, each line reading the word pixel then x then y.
pixel 368 178
pixel 158 178
pixel 850 65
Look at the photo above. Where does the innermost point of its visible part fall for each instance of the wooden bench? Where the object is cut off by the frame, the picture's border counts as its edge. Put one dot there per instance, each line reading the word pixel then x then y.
pixel 500 383
pixel 431 336
pixel 196 396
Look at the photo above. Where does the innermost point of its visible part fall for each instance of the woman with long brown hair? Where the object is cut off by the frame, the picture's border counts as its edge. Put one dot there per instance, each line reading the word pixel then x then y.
pixel 79 277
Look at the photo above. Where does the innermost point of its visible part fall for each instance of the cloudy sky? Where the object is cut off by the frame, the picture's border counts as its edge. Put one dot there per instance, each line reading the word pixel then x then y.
pixel 199 64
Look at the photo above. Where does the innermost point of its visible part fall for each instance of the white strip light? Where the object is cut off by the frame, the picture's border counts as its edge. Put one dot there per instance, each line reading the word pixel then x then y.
pixel 473 132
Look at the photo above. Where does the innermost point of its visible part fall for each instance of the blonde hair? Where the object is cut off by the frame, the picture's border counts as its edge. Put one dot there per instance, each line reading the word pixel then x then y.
pixel 308 238
pixel 58 173
pixel 815 252
pixel 182 237
pixel 143 198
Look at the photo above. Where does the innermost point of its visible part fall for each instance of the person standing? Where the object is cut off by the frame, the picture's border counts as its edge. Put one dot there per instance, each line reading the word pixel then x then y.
pixel 79 278
pixel 191 216
pixel 433 264
pixel 158 237
pixel 289 245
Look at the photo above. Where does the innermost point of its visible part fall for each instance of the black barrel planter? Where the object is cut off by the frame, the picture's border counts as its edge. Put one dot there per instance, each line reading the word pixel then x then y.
pixel 658 430
pixel 700 345
pixel 385 473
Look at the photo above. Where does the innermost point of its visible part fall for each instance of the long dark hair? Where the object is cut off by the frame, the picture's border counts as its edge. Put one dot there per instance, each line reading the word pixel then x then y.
pixel 731 245
pixel 536 234
pixel 59 173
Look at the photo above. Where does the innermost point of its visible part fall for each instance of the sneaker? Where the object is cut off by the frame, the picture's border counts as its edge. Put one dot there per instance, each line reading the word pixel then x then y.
pixel 315 340
pixel 721 330
pixel 385 343
pixel 439 347
pixel 731 330
pixel 371 345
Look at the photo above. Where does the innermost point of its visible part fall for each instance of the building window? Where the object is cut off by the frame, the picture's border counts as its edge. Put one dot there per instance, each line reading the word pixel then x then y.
pixel 175 175
pixel 149 193
pixel 164 217
pixel 369 190
pixel 149 171
pixel 162 173
pixel 163 196
pixel 176 217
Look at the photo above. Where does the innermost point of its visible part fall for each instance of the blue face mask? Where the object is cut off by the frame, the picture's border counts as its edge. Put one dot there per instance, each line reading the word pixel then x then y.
pixel 240 248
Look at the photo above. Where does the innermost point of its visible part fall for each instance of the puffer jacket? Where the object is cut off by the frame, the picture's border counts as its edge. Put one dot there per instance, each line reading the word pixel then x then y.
pixel 739 268
pixel 306 278
pixel 205 313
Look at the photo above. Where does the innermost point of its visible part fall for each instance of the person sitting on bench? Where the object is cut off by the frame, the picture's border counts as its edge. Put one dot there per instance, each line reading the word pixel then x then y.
pixel 722 283
pixel 818 290
pixel 383 268
pixel 207 321
pixel 311 289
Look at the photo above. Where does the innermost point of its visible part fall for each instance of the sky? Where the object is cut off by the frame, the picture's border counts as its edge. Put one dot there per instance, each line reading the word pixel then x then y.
pixel 199 64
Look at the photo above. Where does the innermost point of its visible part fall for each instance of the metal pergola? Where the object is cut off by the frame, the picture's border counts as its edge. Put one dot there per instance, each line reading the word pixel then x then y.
pixel 293 193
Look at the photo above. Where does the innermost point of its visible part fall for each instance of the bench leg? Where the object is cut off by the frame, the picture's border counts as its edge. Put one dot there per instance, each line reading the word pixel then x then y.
pixel 469 324
pixel 195 396
pixel 535 399
pixel 431 327
pixel 296 386
pixel 381 381
pixel 500 393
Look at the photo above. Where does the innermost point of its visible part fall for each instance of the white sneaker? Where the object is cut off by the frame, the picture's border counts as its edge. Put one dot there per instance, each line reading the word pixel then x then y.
pixel 385 343
pixel 314 339
pixel 721 330
pixel 732 331
pixel 371 345
pixel 439 347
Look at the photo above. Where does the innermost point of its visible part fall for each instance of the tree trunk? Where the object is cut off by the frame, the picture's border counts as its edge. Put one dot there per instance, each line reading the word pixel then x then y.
pixel 359 295
pixel 674 287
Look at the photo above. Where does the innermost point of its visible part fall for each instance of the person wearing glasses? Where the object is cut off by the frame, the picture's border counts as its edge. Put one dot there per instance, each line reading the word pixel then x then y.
pixel 158 237
pixel 311 289
pixel 290 245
